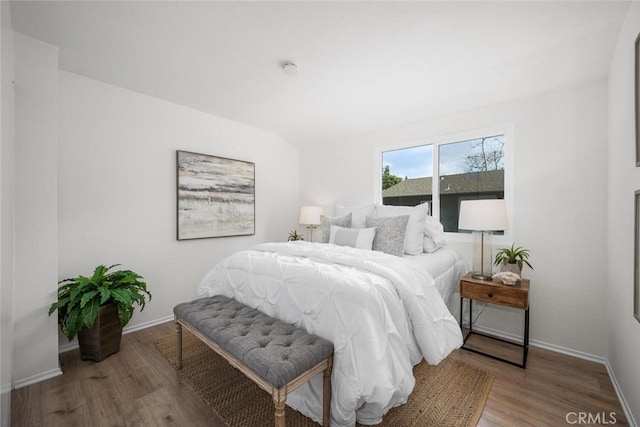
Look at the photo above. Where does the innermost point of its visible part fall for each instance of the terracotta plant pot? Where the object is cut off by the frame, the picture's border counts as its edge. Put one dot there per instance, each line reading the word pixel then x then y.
pixel 104 338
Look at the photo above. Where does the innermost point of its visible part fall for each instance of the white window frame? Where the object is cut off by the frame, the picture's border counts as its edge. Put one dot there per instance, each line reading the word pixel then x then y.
pixel 436 142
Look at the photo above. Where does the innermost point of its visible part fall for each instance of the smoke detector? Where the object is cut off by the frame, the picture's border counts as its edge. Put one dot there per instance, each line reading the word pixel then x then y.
pixel 290 68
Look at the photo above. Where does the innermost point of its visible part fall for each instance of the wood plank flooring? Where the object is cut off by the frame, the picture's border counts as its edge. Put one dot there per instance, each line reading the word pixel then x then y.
pixel 138 387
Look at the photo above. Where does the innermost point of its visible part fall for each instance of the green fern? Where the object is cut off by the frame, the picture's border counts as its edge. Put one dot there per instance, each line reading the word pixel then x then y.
pixel 80 298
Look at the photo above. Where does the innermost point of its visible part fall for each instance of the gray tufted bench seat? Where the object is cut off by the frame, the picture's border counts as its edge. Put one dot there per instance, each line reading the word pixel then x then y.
pixel 276 355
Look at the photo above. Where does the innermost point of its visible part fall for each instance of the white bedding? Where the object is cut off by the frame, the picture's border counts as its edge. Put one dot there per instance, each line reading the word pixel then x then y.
pixel 447 266
pixel 382 313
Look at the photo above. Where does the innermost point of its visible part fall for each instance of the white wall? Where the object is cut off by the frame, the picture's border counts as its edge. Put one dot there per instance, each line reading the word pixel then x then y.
pixel 6 213
pixel 36 216
pixel 559 208
pixel 624 179
pixel 117 187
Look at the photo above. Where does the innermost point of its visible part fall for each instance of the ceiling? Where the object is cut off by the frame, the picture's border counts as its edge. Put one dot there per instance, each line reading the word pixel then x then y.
pixel 363 66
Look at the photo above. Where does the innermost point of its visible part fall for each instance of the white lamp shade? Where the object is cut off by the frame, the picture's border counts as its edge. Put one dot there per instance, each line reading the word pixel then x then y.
pixel 483 215
pixel 310 215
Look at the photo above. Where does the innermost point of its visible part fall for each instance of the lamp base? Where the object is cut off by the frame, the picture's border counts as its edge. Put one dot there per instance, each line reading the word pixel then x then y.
pixel 481 276
pixel 311 228
pixel 482 248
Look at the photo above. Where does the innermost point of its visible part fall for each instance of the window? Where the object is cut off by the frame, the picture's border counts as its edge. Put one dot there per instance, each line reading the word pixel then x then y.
pixel 445 173
pixel 407 175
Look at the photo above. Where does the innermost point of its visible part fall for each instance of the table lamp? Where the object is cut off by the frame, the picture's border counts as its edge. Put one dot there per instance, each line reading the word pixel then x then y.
pixel 482 218
pixel 310 216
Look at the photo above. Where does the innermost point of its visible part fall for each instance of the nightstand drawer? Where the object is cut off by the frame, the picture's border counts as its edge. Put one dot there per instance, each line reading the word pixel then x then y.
pixel 512 296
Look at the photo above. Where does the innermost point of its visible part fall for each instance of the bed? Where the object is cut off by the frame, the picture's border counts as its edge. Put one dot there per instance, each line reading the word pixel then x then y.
pixel 447 267
pixel 383 313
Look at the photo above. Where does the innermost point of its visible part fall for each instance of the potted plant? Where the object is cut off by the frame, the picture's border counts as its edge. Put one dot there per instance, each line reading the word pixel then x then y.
pixel 294 236
pixel 96 308
pixel 512 259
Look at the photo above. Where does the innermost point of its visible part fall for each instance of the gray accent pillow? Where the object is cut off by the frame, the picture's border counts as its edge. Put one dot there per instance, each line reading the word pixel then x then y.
pixel 391 232
pixel 327 221
pixel 361 238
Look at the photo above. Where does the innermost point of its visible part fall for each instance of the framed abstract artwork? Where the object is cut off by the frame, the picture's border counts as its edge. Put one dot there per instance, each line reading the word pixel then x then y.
pixel 216 196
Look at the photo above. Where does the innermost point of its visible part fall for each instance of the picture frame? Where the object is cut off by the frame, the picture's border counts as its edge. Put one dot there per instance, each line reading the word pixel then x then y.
pixel 637 96
pixel 636 258
pixel 215 196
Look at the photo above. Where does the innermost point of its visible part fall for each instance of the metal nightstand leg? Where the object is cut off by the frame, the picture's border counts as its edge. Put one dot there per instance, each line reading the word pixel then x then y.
pixel 470 314
pixel 526 338
pixel 524 346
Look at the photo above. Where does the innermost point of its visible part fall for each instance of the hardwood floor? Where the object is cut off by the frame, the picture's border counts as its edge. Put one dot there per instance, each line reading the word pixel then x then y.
pixel 552 388
pixel 138 387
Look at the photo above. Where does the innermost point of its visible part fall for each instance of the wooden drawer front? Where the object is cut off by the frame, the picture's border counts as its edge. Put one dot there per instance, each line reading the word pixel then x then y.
pixel 516 297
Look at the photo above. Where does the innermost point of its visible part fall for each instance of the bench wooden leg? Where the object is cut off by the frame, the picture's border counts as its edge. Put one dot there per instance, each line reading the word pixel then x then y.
pixel 279 397
pixel 178 346
pixel 326 394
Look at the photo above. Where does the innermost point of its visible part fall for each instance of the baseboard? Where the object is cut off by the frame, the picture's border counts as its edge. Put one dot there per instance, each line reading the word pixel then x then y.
pixel 574 353
pixel 126 330
pixel 547 346
pixel 623 402
pixel 149 324
pixel 23 382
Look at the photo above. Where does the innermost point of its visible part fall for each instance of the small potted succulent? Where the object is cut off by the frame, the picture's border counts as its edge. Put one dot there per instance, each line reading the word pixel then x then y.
pixel 294 236
pixel 512 259
pixel 96 308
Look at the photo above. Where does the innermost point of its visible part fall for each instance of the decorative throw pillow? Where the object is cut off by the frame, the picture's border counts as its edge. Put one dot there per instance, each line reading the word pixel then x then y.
pixel 390 233
pixel 359 214
pixel 433 235
pixel 361 238
pixel 429 245
pixel 415 230
pixel 327 221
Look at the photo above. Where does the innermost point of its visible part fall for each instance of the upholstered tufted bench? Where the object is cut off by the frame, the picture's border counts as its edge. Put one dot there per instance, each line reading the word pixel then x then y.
pixel 276 355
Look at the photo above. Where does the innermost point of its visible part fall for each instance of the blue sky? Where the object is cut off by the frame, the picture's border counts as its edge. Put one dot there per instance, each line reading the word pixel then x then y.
pixel 417 162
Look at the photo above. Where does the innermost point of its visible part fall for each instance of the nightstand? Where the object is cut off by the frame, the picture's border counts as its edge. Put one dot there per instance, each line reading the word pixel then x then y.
pixel 515 296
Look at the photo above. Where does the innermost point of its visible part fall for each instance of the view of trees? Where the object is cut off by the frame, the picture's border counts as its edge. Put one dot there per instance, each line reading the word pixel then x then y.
pixel 486 155
pixel 388 179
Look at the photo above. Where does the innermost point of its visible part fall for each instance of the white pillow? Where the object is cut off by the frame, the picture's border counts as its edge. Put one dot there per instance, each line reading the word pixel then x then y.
pixel 359 214
pixel 414 242
pixel 433 235
pixel 361 238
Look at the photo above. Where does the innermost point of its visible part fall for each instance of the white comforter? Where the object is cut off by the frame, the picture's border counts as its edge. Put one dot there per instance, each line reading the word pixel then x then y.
pixel 381 312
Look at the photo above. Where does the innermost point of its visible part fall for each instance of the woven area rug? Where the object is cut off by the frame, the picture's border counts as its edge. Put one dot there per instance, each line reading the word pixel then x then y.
pixel 450 394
